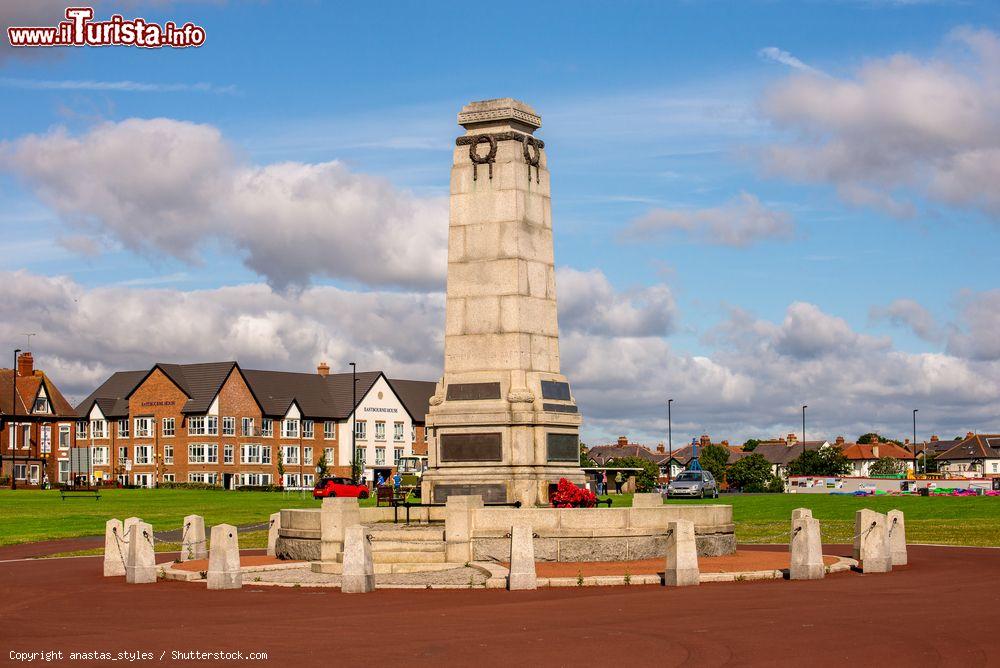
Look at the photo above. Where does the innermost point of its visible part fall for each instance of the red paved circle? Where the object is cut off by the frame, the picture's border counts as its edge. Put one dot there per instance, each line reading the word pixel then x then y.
pixel 940 610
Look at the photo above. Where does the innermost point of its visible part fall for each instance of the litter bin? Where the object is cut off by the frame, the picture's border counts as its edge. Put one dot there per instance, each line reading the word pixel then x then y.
pixel 996 484
pixel 924 491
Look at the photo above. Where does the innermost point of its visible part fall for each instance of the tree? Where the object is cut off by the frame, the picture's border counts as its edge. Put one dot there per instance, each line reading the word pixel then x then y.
pixel 645 480
pixel 750 444
pixel 824 461
pixel 281 467
pixel 885 466
pixel 872 437
pixel 750 474
pixel 714 459
pixel 322 465
pixel 585 460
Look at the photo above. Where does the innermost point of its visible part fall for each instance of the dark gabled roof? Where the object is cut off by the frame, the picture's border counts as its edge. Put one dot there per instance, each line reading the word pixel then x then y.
pixel 110 395
pixel 278 390
pixel 781 454
pixel 602 454
pixel 27 391
pixel 978 446
pixel 200 382
pixel 339 388
pixel 415 395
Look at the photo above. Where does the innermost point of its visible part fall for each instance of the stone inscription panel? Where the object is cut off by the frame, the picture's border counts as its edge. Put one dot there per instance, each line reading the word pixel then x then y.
pixel 473 391
pixel 490 493
pixel 555 390
pixel 563 447
pixel 560 408
pixel 486 447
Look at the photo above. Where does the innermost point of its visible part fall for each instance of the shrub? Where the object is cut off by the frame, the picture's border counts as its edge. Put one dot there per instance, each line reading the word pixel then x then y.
pixel 568 495
pixel 750 474
pixel 713 458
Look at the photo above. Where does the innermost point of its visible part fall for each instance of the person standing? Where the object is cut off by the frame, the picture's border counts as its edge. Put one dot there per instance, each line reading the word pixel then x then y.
pixel 619 479
pixel 397 481
pixel 380 480
pixel 603 487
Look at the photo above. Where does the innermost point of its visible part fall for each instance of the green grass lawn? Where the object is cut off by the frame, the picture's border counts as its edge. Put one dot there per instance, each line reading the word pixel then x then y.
pixel 29 515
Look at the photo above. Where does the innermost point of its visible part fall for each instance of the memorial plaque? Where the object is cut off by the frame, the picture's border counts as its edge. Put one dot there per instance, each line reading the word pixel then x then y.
pixel 473 391
pixel 563 447
pixel 560 408
pixel 555 390
pixel 471 447
pixel 490 493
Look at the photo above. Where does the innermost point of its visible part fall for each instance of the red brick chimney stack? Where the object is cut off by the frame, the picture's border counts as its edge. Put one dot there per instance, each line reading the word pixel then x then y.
pixel 840 440
pixel 25 364
pixel 935 438
pixel 792 438
pixel 323 369
pixel 660 448
pixel 969 435
pixel 705 441
pixel 622 441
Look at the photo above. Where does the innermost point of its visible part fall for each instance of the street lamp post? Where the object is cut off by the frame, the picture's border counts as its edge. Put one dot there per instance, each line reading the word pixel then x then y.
pixel 915 441
pixel 12 426
pixel 354 420
pixel 670 441
pixel 804 429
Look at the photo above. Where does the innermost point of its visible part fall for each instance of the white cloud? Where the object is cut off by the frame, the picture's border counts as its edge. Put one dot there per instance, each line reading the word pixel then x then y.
pixel 169 187
pixel 114 86
pixel 978 335
pixel 776 55
pixel 741 221
pixel 909 313
pixel 588 303
pixel 900 130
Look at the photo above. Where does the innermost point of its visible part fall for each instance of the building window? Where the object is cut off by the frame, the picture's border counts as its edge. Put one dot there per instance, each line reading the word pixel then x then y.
pixel 266 427
pixel 203 478
pixel 359 455
pixel 168 477
pixel 397 454
pixel 379 456
pixel 289 428
pixel 228 426
pixel 328 453
pixel 143 427
pixel 45 441
pixel 168 427
pixel 25 436
pixel 212 425
pixel 41 405
pixel 142 454
pixel 64 470
pixel 291 480
pixel 246 427
pixel 379 430
pixel 212 450
pixel 99 428
pixel 101 456
pixel 308 429
pixel 227 453
pixel 123 428
pixel 397 431
pixel 307 456
pixel 197 453
pixel 63 436
pixel 81 429
pixel 290 453
pixel 308 480
pixel 360 429
pixel 168 454
pixel 122 454
pixel 265 454
pixel 250 453
pixel 255 479
pixel 329 430
pixel 196 426
pixel 413 433
pixel 20 471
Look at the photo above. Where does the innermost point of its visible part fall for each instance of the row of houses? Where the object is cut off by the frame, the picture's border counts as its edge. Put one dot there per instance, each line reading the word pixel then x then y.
pixel 975 456
pixel 213 423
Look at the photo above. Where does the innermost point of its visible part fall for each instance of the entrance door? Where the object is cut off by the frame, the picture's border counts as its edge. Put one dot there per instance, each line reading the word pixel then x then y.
pixel 228 481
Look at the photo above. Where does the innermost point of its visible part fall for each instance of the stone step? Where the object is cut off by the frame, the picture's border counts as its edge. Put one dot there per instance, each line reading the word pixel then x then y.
pixel 428 535
pixel 400 557
pixel 407 546
pixel 415 568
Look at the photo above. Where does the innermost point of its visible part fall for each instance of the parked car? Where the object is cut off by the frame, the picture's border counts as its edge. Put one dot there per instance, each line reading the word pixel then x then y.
pixel 693 484
pixel 339 487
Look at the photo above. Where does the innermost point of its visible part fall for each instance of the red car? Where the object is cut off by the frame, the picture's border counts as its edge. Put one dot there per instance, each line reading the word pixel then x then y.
pixel 339 487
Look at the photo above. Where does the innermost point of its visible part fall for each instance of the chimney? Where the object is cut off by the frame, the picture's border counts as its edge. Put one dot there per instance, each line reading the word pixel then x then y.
pixel 622 441
pixel 705 440
pixel 967 435
pixel 934 438
pixel 725 444
pixel 906 441
pixel 323 369
pixel 792 439
pixel 25 364
pixel 875 450
pixel 839 440
pixel 660 448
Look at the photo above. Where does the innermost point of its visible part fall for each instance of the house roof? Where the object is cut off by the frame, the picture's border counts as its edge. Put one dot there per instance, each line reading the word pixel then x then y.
pixel 781 454
pixel 27 388
pixel 317 396
pixel 977 446
pixel 604 453
pixel 866 451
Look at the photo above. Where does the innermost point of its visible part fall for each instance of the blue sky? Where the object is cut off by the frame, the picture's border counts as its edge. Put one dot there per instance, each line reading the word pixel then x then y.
pixel 646 108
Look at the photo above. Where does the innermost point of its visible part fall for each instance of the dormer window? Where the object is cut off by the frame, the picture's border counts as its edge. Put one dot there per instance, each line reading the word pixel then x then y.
pixel 41 406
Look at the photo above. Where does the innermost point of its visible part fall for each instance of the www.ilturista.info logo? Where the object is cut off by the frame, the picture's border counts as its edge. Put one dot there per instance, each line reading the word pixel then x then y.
pixel 80 30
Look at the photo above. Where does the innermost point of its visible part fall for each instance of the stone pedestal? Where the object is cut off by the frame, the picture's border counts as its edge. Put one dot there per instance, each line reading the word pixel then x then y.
pixel 503 418
pixel 807 550
pixel 224 558
pixel 682 555
pixel 193 545
pixel 897 537
pixel 522 559
pixel 872 542
pixel 335 516
pixel 140 566
pixel 798 513
pixel 458 527
pixel 115 548
pixel 272 534
pixel 647 500
pixel 358 576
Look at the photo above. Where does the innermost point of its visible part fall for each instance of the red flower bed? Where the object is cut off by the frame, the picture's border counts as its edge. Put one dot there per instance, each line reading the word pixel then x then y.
pixel 568 495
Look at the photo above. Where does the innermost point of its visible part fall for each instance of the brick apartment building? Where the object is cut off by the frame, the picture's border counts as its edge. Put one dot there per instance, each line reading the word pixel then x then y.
pixel 36 437
pixel 218 423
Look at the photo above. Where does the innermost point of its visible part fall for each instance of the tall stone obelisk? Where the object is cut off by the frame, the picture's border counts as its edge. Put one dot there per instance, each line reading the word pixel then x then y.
pixel 503 420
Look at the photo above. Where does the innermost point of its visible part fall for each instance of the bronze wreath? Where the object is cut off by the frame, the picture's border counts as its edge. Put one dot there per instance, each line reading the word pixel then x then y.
pixel 482 160
pixel 526 141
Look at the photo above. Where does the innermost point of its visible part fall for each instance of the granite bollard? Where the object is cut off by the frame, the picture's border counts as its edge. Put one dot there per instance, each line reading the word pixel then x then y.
pixel 127 524
pixel 796 514
pixel 224 558
pixel 193 542
pixel 358 576
pixel 807 550
pixel 272 534
pixel 522 559
pixel 336 515
pixel 115 548
pixel 873 551
pixel 863 521
pixel 682 555
pixel 458 527
pixel 897 537
pixel 140 566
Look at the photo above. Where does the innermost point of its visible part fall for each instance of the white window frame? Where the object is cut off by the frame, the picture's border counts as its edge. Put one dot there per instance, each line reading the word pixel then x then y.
pixel 229 426
pixel 359 454
pixel 121 459
pixel 267 428
pixel 379 430
pixel 64 430
pixel 290 428
pixel 361 430
pixel 397 454
pixel 102 432
pixel 307 456
pixel 212 425
pixel 143 454
pixel 100 455
pixel 265 454
pixel 168 427
pixel 250 453
pixel 397 432
pixel 145 427
pixel 308 429
pixel 227 453
pixel 81 428
pixel 246 426
pixel 168 454
pixel 328 453
pixel 380 456
pixel 123 428
pixel 196 425
pixel 329 430
pixel 197 453
pixel 290 455
pixel 45 439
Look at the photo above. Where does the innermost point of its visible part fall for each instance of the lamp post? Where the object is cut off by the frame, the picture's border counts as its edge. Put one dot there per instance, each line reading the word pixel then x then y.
pixel 354 425
pixel 12 426
pixel 670 441
pixel 804 429
pixel 915 441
